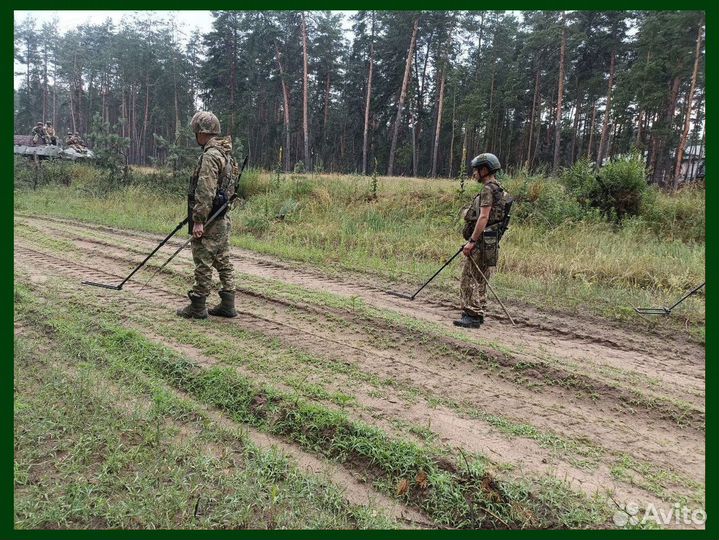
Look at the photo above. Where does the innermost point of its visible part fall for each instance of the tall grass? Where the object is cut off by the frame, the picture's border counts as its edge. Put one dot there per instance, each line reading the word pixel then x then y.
pixel 554 245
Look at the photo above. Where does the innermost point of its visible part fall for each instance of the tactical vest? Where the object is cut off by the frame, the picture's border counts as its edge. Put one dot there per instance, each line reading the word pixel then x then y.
pixel 225 188
pixel 496 214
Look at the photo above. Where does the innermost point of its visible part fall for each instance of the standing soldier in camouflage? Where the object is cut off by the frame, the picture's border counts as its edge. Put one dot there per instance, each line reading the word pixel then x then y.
pixel 482 220
pixel 50 132
pixel 210 246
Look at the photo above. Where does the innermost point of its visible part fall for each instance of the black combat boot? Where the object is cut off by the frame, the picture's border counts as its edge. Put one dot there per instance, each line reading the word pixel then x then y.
pixel 226 307
pixel 469 321
pixel 197 308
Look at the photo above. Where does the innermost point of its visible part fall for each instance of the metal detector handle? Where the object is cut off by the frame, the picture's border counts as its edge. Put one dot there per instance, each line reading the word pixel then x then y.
pixel 438 271
pixel 179 226
pixel 694 290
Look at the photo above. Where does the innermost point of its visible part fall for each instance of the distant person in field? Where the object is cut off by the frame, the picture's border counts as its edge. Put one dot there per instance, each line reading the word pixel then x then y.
pixel 38 133
pixel 211 185
pixel 69 139
pixel 483 219
pixel 50 133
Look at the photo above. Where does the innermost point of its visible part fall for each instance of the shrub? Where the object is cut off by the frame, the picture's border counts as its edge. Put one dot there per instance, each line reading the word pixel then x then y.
pixel 616 190
pixel 623 182
pixel 542 202
pixel 29 174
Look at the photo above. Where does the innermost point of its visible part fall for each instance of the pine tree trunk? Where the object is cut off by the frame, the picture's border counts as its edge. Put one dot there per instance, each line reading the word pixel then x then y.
pixel 305 111
pixel 368 102
pixel 531 119
pixel 286 100
pixel 537 135
pixel 440 106
pixel 560 94
pixel 233 82
pixel 44 87
pixel 491 103
pixel 327 105
pixel 575 128
pixel 687 119
pixel 402 96
pixel 451 141
pixel 591 132
pixel 605 127
pixel 413 131
pixel 660 160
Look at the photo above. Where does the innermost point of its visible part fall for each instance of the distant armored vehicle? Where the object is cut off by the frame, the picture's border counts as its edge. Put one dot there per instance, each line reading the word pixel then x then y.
pixel 25 146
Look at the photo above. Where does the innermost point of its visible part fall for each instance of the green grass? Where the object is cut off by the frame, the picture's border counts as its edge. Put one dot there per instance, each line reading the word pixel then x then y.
pixel 82 460
pixel 413 226
pixel 452 496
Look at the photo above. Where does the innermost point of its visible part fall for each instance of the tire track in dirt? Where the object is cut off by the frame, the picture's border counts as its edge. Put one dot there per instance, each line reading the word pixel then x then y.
pixel 594 344
pixel 599 366
pixel 354 490
pixel 466 427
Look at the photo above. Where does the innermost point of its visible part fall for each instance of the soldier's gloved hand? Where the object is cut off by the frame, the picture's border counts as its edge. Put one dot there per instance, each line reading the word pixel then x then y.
pixel 468 248
pixel 198 229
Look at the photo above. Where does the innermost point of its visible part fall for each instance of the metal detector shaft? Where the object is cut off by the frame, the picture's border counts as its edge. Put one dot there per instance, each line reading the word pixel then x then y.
pixel 119 287
pixel 491 289
pixel 437 272
pixel 695 289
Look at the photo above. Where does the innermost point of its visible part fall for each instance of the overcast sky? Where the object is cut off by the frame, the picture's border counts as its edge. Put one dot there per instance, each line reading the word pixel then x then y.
pixel 67 20
pixel 187 21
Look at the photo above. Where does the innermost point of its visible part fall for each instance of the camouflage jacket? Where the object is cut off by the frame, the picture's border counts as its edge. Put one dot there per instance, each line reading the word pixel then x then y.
pixel 204 181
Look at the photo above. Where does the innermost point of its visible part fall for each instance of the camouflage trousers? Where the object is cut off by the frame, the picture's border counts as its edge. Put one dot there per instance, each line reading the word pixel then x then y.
pixel 213 250
pixel 473 289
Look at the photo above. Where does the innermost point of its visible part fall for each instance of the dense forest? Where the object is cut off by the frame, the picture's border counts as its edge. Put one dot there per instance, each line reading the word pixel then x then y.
pixel 403 93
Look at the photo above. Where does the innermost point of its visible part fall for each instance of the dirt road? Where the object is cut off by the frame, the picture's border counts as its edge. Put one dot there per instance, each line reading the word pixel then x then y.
pixel 612 410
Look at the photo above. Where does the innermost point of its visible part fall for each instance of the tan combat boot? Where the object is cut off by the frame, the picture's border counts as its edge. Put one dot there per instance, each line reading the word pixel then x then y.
pixel 197 308
pixel 226 307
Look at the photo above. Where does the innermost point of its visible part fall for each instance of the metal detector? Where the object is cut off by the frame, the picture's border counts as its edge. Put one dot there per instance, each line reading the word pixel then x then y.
pixel 668 311
pixel 119 287
pixel 406 296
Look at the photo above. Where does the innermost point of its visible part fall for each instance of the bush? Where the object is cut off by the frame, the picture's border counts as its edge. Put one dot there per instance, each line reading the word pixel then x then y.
pixel 31 175
pixel 623 182
pixel 616 190
pixel 542 202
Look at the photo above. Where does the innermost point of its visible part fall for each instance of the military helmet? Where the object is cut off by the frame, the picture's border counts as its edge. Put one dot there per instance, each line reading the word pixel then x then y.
pixel 487 159
pixel 69 132
pixel 39 123
pixel 205 122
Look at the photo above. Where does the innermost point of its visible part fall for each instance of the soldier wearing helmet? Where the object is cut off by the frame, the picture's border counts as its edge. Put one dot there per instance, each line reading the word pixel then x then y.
pixel 482 242
pixel 38 134
pixel 211 244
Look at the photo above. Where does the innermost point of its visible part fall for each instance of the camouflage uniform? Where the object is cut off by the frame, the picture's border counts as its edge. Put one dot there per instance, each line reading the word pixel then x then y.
pixel 213 248
pixel 38 134
pixel 50 132
pixel 473 289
